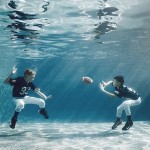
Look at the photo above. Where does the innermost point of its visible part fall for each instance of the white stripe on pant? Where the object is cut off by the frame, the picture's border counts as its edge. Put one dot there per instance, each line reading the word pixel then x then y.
pixel 126 106
pixel 20 102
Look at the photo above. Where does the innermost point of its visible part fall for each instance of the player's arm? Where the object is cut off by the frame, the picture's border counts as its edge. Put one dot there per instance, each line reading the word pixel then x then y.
pixel 42 95
pixel 13 71
pixel 107 83
pixel 103 85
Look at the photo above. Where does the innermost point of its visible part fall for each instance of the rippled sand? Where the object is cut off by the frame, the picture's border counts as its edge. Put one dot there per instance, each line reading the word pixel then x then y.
pixel 74 136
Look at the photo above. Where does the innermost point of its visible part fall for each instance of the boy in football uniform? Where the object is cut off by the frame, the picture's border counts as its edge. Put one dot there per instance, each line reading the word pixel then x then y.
pixel 21 86
pixel 132 98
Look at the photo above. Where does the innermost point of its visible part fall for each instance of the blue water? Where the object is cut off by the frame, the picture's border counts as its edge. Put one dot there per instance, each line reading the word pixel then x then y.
pixel 65 40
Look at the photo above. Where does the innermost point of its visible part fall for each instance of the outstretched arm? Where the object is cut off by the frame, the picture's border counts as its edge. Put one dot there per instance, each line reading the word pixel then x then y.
pixel 42 95
pixel 103 85
pixel 107 83
pixel 13 71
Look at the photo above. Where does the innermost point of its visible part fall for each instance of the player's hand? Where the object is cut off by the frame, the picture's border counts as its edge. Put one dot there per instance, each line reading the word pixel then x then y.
pixel 14 69
pixel 101 86
pixel 104 83
pixel 49 97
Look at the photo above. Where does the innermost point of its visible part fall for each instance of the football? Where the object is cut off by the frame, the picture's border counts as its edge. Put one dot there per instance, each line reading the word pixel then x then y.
pixel 87 80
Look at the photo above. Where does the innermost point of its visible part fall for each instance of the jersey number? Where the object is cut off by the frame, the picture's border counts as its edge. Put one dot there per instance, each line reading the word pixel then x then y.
pixel 24 90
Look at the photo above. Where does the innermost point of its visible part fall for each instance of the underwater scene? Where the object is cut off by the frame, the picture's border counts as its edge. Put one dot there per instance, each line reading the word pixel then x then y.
pixel 63 41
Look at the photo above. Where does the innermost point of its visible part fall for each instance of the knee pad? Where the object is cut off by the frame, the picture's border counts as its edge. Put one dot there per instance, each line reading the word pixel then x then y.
pixel 42 103
pixel 19 107
pixel 139 101
pixel 119 107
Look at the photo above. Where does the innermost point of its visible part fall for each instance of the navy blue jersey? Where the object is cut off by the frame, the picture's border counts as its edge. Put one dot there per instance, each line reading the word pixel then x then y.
pixel 125 92
pixel 20 87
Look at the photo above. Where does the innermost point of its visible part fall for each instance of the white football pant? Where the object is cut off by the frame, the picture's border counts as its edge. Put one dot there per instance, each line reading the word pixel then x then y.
pixel 126 106
pixel 20 102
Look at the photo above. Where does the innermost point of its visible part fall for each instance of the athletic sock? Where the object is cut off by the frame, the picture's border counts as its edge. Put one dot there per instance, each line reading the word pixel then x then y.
pixel 43 112
pixel 118 118
pixel 129 118
pixel 15 114
pixel 14 120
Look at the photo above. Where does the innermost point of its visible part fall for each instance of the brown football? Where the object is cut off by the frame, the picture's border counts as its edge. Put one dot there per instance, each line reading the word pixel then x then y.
pixel 87 80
